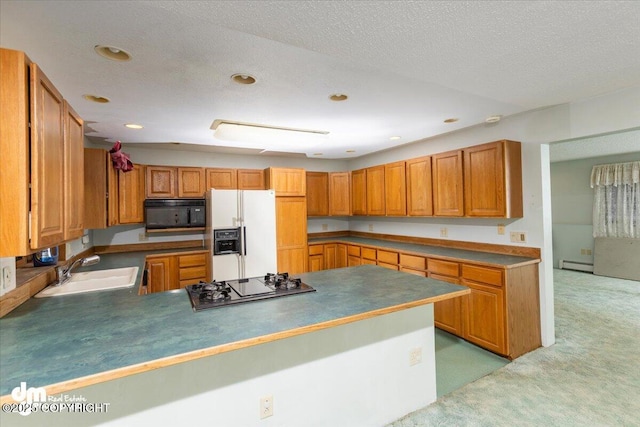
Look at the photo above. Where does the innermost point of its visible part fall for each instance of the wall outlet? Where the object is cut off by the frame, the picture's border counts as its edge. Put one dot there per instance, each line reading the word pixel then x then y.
pixel 325 227
pixel 415 356
pixel 444 232
pixel 585 251
pixel 85 239
pixel 500 228
pixel 518 236
pixel 142 237
pixel 266 406
pixel 7 274
pixel 370 227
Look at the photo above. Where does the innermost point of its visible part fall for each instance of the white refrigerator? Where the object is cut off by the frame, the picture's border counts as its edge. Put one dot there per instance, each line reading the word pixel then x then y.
pixel 247 219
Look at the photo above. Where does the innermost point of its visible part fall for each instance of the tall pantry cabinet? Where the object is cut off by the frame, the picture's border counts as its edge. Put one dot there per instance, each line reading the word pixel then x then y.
pixel 291 217
pixel 42 204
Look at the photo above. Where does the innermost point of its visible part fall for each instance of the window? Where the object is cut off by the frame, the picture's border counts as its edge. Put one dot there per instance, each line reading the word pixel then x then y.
pixel 616 204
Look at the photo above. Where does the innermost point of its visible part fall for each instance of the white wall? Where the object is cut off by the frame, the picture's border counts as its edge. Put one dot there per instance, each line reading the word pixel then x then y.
pixel 572 202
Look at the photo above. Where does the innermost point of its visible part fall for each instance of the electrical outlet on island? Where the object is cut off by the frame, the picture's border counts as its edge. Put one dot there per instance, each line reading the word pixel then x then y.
pixel 444 232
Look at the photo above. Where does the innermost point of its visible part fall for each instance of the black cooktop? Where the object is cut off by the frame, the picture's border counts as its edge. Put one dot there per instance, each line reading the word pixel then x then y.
pixel 220 294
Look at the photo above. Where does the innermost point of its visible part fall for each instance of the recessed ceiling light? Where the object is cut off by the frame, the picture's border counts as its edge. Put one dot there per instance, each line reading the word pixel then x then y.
pixel 493 119
pixel 113 53
pixel 243 79
pixel 451 120
pixel 317 154
pixel 96 98
pixel 338 97
pixel 133 126
pixel 351 151
pixel 395 138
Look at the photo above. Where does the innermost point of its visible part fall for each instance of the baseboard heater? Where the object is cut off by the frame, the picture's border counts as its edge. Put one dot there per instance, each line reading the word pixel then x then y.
pixel 576 265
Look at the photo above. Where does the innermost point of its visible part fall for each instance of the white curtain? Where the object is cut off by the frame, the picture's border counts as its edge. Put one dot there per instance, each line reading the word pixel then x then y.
pixel 616 204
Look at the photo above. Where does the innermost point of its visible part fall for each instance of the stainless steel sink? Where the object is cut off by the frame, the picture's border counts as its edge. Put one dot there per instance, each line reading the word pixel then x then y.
pixel 92 281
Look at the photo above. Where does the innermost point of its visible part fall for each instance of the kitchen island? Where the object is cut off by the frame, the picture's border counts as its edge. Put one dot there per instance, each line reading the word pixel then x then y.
pixel 358 350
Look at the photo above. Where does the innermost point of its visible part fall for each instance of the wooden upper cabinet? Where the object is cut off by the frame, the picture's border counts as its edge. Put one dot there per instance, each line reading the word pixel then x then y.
pixel 131 195
pixel 286 181
pixel 14 145
pixel 375 191
pixel 161 182
pixel 191 182
pixel 395 189
pixel 339 193
pixel 317 193
pixel 447 184
pixel 222 178
pixel 47 162
pixel 419 194
pixel 359 192
pixel 493 180
pixel 100 189
pixel 251 179
pixel 73 173
pixel 167 182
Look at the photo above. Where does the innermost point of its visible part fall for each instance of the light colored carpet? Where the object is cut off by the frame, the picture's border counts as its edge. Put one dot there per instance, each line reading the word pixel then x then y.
pixel 590 377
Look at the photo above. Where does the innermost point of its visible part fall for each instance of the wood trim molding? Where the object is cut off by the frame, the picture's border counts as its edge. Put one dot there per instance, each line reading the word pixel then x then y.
pixel 456 244
pixel 328 234
pixel 112 249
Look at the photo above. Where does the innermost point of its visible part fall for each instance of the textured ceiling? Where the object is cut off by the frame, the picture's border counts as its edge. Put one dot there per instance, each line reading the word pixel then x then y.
pixel 406 66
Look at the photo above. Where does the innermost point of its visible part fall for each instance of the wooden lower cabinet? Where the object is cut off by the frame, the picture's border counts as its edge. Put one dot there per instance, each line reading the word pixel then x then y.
pixel 193 268
pixel 330 254
pixel 484 317
pixel 160 272
pixel 166 272
pixel 448 314
pixel 342 259
pixel 316 257
pixel 353 256
pixel 501 313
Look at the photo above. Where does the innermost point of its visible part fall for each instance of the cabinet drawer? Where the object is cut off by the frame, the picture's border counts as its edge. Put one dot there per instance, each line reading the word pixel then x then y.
pixel 415 272
pixel 188 273
pixel 192 260
pixel 316 249
pixel 389 266
pixel 369 253
pixel 411 261
pixel 490 276
pixel 445 268
pixel 368 261
pixel 447 279
pixel 353 251
pixel 388 257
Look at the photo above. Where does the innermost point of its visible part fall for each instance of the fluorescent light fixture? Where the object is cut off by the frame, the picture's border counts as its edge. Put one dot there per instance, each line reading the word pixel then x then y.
pixel 263 135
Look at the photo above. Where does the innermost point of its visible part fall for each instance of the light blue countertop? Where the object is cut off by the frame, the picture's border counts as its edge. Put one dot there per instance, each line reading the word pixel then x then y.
pixel 486 258
pixel 51 340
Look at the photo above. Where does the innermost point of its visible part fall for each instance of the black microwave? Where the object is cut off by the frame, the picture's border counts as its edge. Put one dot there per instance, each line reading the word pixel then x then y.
pixel 174 213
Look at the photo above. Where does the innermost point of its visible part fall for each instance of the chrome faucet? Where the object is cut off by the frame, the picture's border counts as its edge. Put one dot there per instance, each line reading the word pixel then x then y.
pixel 64 274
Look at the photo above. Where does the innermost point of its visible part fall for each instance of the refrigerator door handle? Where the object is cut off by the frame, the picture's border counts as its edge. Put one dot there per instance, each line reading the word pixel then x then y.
pixel 244 240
